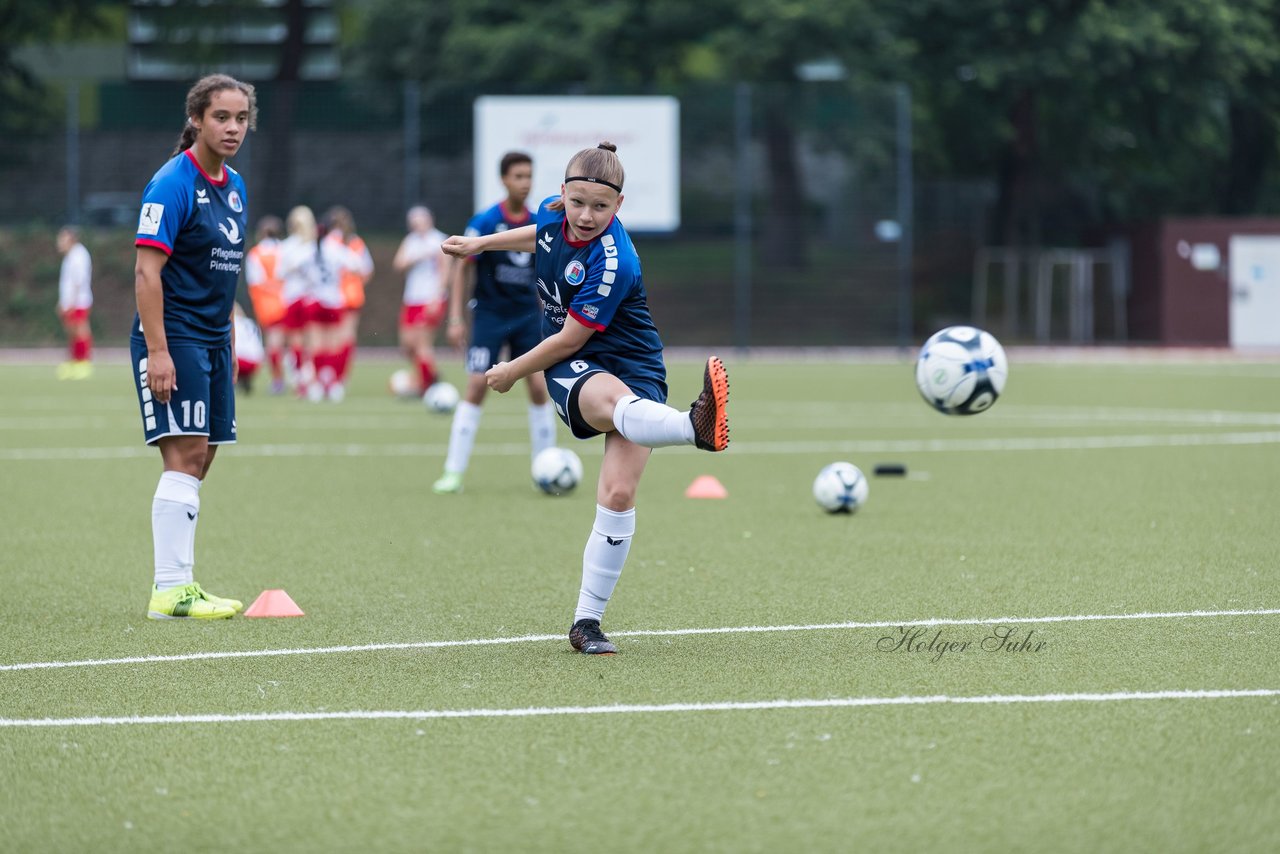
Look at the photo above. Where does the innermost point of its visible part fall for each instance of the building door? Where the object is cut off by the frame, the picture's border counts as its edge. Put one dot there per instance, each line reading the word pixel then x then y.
pixel 1255 291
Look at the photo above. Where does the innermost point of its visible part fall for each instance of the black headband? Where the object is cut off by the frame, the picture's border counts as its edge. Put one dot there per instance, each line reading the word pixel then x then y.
pixel 594 181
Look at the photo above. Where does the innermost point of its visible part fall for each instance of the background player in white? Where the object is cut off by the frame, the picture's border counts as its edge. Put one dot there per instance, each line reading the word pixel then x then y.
pixel 75 298
pixel 506 313
pixel 426 271
pixel 603 361
pixel 311 268
pixel 191 240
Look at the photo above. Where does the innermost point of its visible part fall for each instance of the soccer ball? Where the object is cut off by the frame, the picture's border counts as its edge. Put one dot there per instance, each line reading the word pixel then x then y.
pixel 403 384
pixel 961 370
pixel 556 471
pixel 442 397
pixel 840 488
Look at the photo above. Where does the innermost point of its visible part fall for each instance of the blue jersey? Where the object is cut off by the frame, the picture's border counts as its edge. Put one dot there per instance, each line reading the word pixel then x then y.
pixel 504 280
pixel 598 283
pixel 200 224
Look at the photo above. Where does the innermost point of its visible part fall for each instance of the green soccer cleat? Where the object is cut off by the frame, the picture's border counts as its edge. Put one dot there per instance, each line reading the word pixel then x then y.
pixel 450 483
pixel 185 602
pixel 234 604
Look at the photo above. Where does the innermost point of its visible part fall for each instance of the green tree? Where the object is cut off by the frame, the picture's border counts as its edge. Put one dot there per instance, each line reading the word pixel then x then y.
pixel 1086 111
pixel 24 103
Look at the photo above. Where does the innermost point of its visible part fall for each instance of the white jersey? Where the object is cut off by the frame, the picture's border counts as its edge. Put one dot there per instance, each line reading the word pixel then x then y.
pixel 74 290
pixel 423 283
pixel 248 341
pixel 313 271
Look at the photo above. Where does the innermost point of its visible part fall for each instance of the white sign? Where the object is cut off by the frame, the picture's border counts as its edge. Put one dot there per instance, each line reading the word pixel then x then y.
pixel 553 129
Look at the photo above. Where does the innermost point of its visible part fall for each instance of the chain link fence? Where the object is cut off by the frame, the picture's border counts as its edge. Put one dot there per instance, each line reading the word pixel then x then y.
pixel 801 224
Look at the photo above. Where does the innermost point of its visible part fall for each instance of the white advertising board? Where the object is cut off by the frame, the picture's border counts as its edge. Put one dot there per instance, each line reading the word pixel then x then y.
pixel 552 129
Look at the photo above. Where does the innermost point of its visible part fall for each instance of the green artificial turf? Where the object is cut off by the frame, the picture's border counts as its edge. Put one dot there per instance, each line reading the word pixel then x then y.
pixel 1105 489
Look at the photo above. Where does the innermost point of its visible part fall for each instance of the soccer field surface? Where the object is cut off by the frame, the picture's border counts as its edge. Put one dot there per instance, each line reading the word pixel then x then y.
pixel 1058 630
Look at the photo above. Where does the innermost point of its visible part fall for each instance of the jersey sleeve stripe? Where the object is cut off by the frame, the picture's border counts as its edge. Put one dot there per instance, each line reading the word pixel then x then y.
pixel 590 324
pixel 154 244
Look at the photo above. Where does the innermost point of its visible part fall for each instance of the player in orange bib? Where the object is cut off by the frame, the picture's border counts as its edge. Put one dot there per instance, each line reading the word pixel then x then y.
pixel 342 228
pixel 266 292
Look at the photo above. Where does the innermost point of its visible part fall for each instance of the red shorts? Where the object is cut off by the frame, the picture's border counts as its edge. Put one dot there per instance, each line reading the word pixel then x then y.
pixel 323 314
pixel 75 315
pixel 428 315
pixel 295 316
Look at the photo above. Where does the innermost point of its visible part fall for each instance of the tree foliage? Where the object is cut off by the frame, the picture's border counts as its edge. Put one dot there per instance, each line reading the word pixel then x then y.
pixel 23 105
pixel 1079 111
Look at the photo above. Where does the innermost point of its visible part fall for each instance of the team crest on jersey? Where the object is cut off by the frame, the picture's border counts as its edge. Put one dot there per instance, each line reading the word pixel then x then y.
pixel 575 273
pixel 233 199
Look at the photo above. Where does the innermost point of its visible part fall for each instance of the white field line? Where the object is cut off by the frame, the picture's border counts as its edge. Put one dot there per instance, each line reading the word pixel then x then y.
pixel 868 446
pixel 761 415
pixel 719 630
pixel 624 709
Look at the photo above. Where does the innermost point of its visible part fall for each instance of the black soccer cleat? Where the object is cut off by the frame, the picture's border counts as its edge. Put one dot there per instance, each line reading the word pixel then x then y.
pixel 586 638
pixel 710 421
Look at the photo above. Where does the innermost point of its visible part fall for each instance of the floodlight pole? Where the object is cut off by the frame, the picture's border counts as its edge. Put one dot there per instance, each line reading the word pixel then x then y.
pixel 73 152
pixel 905 214
pixel 412 144
pixel 742 216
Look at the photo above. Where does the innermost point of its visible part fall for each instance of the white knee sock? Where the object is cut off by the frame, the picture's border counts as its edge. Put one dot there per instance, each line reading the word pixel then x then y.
pixel 542 426
pixel 602 560
pixel 462 437
pixel 652 424
pixel 175 510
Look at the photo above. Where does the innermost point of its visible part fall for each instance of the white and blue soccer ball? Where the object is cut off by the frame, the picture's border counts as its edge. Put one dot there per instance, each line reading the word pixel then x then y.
pixel 556 471
pixel 840 488
pixel 961 370
pixel 441 397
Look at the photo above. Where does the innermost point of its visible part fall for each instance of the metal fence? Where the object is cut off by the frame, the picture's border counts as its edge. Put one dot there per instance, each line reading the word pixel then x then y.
pixel 801 223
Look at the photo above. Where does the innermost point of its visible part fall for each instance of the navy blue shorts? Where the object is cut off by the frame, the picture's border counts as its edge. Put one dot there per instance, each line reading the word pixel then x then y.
pixel 490 331
pixel 564 382
pixel 203 404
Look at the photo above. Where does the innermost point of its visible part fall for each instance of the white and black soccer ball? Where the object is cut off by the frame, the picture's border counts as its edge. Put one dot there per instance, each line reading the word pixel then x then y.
pixel 441 397
pixel 556 471
pixel 840 488
pixel 961 370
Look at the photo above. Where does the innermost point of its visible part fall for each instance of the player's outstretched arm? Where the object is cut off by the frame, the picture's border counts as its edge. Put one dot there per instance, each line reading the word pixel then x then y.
pixel 522 239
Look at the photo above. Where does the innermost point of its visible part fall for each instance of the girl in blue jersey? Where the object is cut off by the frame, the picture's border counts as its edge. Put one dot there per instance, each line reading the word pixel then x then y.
pixel 190 242
pixel 602 358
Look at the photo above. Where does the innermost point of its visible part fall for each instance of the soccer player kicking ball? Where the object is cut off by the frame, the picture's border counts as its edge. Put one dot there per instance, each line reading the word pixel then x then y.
pixel 603 362
pixel 191 241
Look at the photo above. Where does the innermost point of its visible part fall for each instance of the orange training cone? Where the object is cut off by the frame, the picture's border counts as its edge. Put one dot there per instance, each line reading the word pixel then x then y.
pixel 706 486
pixel 273 603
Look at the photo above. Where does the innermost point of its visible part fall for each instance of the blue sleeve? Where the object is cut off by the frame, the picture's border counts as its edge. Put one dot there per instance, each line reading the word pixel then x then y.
pixel 166 203
pixel 610 280
pixel 544 214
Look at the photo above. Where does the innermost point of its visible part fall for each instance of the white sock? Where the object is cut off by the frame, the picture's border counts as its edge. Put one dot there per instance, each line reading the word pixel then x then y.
pixel 175 510
pixel 602 560
pixel 652 424
pixel 542 426
pixel 462 437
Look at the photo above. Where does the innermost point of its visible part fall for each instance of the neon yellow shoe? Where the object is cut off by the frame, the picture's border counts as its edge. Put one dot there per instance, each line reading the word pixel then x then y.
pixel 67 371
pixel 81 370
pixel 185 602
pixel 234 604
pixel 450 483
